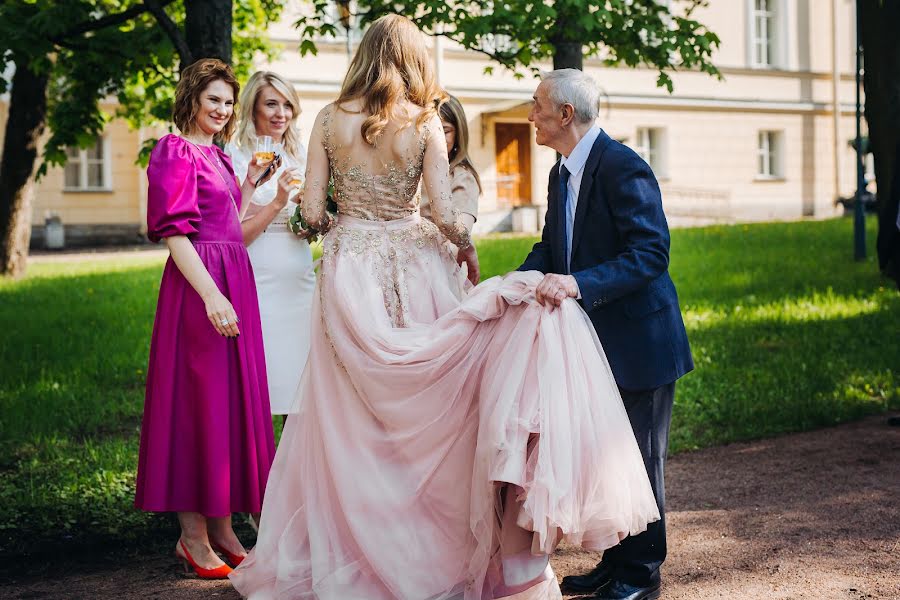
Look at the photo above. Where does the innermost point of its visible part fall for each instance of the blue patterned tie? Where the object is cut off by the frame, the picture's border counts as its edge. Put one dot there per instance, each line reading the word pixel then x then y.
pixel 564 204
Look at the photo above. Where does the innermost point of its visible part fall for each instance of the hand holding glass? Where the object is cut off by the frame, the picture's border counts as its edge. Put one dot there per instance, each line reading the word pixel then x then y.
pixel 265 150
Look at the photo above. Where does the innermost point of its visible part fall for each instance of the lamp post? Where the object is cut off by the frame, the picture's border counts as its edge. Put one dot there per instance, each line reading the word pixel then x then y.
pixel 859 215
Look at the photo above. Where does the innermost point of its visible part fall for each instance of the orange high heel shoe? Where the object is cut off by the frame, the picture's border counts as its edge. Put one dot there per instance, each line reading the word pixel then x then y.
pixel 217 573
pixel 233 559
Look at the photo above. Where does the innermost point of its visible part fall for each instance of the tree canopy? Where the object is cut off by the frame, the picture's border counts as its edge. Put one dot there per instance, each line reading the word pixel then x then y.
pixel 69 57
pixel 97 50
pixel 520 34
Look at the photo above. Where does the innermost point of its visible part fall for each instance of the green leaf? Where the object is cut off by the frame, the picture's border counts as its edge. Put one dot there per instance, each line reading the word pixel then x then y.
pixel 308 46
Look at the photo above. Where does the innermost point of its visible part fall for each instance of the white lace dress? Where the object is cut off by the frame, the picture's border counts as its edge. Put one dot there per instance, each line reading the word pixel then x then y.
pixel 285 281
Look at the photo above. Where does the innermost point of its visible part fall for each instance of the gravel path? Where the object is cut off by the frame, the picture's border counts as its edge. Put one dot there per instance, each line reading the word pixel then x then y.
pixel 812 515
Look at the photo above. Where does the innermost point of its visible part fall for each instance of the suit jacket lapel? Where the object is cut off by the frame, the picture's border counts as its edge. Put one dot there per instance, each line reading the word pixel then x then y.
pixel 587 184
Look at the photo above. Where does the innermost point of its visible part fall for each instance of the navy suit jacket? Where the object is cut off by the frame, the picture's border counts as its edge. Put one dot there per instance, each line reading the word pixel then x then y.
pixel 620 259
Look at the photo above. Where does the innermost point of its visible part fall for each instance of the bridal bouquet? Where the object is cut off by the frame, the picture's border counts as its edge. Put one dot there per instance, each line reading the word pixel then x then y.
pixel 297 224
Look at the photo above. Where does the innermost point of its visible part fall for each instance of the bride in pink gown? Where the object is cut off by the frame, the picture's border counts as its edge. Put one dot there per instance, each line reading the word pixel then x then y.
pixel 446 438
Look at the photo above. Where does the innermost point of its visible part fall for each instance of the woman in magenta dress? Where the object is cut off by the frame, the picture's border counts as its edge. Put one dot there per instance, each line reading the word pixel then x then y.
pixel 206 438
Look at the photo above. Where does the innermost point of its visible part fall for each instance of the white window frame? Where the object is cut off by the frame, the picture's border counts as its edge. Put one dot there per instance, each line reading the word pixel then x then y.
pixel 770 155
pixel 650 144
pixel 83 162
pixel 776 35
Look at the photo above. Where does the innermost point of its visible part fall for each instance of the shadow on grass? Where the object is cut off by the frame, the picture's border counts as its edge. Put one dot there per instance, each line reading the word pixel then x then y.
pixel 72 367
pixel 74 352
pixel 763 376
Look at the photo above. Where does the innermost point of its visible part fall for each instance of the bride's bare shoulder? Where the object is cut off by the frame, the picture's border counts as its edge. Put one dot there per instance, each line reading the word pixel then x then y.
pixel 403 111
pixel 349 107
pixel 412 111
pixel 343 110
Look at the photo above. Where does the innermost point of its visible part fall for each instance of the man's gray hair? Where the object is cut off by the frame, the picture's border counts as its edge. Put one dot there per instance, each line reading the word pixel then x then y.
pixel 571 86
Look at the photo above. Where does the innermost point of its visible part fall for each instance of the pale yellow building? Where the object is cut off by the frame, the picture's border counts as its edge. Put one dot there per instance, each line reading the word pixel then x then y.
pixel 768 142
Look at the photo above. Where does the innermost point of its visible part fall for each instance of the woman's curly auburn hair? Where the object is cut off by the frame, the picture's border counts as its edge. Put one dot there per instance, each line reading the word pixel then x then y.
pixel 194 79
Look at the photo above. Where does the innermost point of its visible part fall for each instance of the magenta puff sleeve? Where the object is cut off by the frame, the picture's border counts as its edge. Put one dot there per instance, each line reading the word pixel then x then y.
pixel 172 204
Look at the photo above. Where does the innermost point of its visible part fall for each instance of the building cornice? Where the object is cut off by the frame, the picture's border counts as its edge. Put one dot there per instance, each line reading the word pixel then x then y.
pixel 339 47
pixel 617 100
pixel 726 104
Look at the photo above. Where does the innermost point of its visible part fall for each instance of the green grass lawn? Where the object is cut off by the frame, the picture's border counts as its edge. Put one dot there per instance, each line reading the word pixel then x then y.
pixel 788 333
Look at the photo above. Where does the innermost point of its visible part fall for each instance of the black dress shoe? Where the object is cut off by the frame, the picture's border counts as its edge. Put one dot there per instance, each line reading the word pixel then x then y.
pixel 619 590
pixel 588 583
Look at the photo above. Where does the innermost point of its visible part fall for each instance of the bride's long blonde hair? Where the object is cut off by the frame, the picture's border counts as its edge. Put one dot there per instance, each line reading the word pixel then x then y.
pixel 391 65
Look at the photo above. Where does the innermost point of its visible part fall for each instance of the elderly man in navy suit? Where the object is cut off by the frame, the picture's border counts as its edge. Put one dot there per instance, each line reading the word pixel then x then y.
pixel 606 243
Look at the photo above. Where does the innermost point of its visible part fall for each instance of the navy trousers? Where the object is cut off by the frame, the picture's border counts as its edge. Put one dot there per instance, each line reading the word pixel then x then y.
pixel 636 560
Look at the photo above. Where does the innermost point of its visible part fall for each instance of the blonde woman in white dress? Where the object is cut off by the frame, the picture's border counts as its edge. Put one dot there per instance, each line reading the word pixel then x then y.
pixel 282 260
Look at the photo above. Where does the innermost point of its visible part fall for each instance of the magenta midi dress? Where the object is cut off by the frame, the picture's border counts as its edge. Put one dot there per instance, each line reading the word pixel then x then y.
pixel 206 439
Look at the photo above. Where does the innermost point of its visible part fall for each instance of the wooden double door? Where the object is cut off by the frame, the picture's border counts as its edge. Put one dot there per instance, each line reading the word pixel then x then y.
pixel 513 143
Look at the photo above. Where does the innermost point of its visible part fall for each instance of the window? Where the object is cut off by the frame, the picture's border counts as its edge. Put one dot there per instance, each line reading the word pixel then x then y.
pixel 651 147
pixel 769 155
pixel 88 169
pixel 765 26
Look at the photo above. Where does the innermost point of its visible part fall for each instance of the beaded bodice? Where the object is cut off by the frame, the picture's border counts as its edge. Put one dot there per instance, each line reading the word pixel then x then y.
pixel 379 182
pixel 375 190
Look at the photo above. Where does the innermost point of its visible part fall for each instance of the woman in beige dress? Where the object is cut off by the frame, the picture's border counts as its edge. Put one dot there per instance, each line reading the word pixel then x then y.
pixel 465 185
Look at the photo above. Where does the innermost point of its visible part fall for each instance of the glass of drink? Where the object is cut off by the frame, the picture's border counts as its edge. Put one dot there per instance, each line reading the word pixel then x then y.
pixel 265 150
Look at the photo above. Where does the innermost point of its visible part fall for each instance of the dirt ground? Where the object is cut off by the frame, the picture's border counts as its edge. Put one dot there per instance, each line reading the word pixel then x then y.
pixel 813 515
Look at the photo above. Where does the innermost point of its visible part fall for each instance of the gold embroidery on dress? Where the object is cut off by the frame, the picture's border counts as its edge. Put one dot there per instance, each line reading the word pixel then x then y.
pixel 361 193
pixel 320 285
pixel 390 252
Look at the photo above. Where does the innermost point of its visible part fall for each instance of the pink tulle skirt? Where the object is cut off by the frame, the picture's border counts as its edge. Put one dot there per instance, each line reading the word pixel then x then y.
pixel 421 401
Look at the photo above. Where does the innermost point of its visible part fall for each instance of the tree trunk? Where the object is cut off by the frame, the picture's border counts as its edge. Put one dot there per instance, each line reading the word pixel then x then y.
pixel 882 88
pixel 207 27
pixel 568 50
pixel 24 126
pixel 568 55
